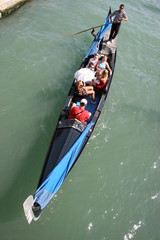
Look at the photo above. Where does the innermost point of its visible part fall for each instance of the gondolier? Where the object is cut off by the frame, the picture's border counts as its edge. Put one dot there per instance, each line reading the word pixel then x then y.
pixel 119 16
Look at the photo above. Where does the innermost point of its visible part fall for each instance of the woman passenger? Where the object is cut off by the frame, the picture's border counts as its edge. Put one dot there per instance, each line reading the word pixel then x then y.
pixel 103 64
pixel 102 77
pixel 83 90
pixel 94 60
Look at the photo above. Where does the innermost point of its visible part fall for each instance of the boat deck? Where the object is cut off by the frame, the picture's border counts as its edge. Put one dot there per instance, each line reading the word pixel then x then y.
pixel 108 48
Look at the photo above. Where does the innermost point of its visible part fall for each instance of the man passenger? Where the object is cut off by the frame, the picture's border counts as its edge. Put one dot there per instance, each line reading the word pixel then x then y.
pixel 80 113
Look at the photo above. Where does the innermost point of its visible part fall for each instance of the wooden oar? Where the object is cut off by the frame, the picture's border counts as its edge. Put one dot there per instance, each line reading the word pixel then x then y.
pixel 70 35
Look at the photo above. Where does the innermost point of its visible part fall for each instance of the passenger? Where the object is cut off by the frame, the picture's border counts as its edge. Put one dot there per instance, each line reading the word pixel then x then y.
pixel 103 64
pixel 102 77
pixel 83 90
pixel 91 66
pixel 80 113
pixel 94 60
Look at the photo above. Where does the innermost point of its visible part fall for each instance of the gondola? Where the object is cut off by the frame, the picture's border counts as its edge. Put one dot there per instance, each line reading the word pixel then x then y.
pixel 70 135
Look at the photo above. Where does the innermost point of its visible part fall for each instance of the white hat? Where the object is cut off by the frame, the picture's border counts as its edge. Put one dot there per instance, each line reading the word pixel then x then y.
pixel 83 100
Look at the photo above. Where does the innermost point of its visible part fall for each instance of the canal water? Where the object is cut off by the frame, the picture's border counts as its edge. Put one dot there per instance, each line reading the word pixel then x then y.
pixel 113 192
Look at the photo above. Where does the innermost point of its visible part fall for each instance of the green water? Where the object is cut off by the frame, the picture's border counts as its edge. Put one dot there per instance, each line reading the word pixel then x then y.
pixel 113 192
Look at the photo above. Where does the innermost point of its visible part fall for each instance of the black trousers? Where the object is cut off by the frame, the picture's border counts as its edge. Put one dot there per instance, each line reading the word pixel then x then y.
pixel 114 30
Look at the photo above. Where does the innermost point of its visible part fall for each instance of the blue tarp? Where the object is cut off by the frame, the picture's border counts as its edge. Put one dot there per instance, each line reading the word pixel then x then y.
pixel 55 179
pixel 94 47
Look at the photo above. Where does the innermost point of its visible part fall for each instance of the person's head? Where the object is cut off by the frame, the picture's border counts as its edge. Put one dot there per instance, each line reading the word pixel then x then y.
pixel 91 66
pixel 80 84
pixel 104 74
pixel 104 58
pixel 121 7
pixel 96 56
pixel 83 102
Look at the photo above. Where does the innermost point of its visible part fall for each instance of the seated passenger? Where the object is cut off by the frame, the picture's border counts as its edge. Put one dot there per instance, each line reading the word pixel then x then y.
pixel 94 60
pixel 80 113
pixel 102 77
pixel 84 90
pixel 103 64
pixel 91 66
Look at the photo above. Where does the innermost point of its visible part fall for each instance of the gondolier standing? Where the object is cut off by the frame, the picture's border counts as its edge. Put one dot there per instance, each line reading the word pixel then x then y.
pixel 119 16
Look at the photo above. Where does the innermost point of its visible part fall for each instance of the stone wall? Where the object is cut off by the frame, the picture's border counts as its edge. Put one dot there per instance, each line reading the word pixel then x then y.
pixel 9 6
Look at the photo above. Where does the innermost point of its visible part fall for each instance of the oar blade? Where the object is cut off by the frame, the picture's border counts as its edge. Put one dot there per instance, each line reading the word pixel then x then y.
pixel 68 35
